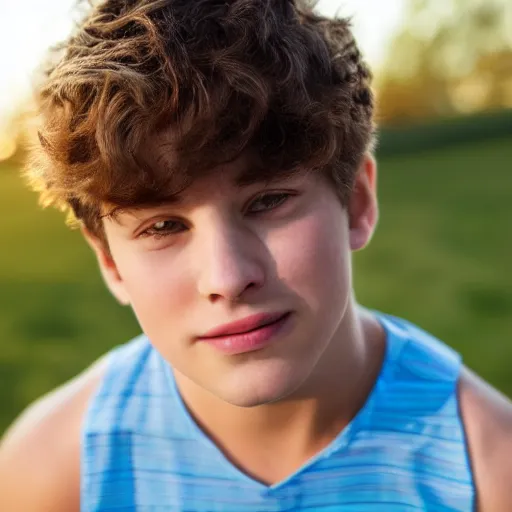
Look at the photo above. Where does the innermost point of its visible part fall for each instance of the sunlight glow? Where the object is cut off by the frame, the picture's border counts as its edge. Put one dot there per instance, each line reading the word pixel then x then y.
pixel 29 27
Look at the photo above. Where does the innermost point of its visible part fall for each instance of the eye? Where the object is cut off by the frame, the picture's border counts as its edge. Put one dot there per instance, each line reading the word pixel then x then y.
pixel 164 228
pixel 268 202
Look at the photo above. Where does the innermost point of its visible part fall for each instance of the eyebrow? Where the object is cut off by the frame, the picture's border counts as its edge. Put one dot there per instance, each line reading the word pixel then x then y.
pixel 244 179
pixel 115 213
pixel 249 177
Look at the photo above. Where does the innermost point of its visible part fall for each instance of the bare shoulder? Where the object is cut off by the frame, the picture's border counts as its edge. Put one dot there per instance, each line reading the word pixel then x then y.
pixel 487 417
pixel 40 453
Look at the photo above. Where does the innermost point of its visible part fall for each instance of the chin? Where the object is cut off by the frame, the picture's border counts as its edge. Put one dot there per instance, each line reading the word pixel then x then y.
pixel 250 400
pixel 260 386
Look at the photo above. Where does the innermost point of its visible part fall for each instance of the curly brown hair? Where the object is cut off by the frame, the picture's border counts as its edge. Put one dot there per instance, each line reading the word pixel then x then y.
pixel 270 76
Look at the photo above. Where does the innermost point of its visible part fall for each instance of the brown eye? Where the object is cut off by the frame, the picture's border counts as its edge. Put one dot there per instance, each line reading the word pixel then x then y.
pixel 268 202
pixel 164 228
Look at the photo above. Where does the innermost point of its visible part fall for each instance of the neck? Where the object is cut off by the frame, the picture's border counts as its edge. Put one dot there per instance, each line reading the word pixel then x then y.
pixel 309 419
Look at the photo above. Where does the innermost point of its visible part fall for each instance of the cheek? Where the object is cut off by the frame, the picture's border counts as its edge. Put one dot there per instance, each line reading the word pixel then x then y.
pixel 158 287
pixel 313 258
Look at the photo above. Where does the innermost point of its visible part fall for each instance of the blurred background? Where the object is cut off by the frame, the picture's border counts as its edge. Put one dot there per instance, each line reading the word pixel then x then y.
pixel 443 250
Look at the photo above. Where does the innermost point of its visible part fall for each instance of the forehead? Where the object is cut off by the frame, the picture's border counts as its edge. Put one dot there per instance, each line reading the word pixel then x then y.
pixel 164 156
pixel 226 179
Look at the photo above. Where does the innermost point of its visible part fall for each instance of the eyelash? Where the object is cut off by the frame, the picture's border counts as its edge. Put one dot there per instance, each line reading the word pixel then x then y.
pixel 151 232
pixel 282 197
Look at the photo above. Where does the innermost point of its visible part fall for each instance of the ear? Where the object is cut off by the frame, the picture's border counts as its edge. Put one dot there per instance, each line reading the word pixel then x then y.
pixel 363 207
pixel 108 268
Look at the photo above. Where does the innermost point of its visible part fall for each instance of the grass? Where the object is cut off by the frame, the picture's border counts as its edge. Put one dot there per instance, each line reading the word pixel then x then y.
pixel 440 258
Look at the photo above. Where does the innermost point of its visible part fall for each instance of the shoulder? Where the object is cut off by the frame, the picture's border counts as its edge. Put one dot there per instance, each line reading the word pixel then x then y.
pixel 487 418
pixel 40 453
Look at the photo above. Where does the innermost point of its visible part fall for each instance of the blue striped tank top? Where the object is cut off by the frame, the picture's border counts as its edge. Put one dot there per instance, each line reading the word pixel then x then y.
pixel 405 449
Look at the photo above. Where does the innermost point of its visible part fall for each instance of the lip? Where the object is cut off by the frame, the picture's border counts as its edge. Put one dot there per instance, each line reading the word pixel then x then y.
pixel 247 335
pixel 244 325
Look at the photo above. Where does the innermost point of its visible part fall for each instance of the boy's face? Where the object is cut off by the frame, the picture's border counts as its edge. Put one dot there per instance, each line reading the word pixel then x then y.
pixel 225 253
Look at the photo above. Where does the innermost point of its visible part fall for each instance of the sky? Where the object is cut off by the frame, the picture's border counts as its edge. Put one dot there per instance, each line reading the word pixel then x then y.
pixel 27 28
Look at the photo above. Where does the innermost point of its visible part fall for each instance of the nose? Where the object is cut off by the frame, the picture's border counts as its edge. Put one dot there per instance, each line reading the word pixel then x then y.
pixel 229 265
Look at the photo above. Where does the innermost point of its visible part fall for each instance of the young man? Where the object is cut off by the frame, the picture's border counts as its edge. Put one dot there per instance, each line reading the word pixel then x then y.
pixel 217 156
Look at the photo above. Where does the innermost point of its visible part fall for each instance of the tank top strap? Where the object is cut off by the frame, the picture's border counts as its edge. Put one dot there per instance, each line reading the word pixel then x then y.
pixel 415 355
pixel 416 398
pixel 135 395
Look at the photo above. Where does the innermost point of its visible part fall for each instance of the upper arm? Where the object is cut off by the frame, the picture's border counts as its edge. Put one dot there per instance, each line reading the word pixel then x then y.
pixel 39 472
pixel 487 417
pixel 40 454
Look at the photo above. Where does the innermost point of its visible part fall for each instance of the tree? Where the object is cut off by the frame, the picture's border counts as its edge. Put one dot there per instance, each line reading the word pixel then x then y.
pixel 451 56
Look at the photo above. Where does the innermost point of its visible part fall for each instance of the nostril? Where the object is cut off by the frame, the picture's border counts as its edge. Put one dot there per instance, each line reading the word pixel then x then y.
pixel 214 297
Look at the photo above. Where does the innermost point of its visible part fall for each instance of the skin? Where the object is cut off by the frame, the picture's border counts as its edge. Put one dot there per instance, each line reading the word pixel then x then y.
pixel 231 257
pixel 234 256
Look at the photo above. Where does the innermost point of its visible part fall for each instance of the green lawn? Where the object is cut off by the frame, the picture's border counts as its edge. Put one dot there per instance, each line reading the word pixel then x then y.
pixel 441 258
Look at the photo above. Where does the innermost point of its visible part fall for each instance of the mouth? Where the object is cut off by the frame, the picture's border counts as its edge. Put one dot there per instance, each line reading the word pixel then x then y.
pixel 257 334
pixel 246 325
